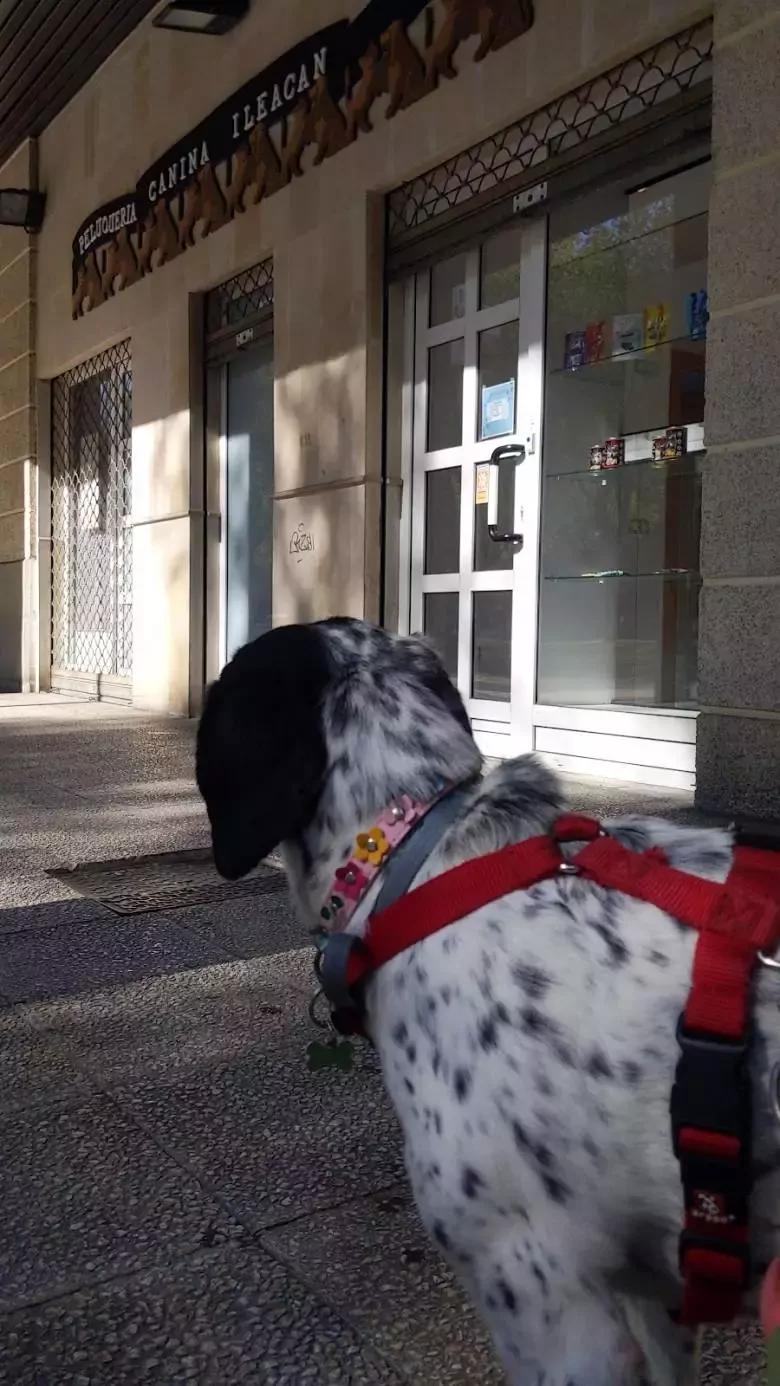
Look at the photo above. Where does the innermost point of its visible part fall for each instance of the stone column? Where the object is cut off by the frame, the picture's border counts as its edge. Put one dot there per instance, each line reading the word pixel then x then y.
pixel 18 481
pixel 738 758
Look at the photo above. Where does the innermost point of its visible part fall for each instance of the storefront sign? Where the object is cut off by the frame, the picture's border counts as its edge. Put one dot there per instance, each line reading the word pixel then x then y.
pixel 319 96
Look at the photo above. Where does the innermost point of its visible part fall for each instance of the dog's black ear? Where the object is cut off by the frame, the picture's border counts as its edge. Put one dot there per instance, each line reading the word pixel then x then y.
pixel 261 754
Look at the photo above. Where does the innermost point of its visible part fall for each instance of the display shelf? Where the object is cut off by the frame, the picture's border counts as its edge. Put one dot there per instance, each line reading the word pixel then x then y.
pixel 641 354
pixel 603 472
pixel 639 453
pixel 676 573
pixel 613 246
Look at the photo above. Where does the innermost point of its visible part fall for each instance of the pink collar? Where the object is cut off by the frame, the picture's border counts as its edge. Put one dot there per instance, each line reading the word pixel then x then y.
pixel 369 855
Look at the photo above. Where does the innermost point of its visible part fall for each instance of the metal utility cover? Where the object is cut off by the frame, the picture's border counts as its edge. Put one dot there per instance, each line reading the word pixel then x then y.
pixel 164 881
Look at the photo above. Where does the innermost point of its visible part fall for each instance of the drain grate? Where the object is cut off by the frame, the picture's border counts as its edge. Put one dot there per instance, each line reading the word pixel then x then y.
pixel 165 881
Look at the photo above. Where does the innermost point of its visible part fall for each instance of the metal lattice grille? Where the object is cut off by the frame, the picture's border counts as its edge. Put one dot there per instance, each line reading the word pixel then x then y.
pixel 240 298
pixel 92 542
pixel 662 72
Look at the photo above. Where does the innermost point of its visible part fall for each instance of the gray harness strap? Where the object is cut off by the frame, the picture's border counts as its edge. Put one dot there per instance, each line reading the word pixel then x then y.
pixel 411 855
pixel 398 873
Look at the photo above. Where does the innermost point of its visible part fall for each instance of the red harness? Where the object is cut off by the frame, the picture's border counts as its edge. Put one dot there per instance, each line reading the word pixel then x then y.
pixel 710 1103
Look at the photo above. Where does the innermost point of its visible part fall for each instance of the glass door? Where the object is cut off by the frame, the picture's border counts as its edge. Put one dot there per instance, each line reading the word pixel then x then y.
pixel 246 501
pixel 479 329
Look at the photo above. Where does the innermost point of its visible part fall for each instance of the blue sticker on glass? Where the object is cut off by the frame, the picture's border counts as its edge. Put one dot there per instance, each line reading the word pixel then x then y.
pixel 498 409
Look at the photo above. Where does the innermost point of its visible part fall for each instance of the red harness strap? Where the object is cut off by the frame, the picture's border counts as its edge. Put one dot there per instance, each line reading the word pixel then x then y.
pixel 710 1104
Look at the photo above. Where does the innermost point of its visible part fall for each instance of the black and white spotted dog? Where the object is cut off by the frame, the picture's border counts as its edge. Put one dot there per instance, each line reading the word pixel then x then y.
pixel 529 1049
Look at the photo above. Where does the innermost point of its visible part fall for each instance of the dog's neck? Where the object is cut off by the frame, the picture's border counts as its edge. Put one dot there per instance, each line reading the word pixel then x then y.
pixel 370 766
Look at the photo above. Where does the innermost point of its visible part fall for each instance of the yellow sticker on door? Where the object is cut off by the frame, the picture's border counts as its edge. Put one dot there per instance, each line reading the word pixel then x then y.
pixel 483 479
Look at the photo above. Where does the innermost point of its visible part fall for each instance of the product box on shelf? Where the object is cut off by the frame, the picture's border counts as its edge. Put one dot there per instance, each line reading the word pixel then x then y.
pixel 656 320
pixel 575 351
pixel 627 333
pixel 596 341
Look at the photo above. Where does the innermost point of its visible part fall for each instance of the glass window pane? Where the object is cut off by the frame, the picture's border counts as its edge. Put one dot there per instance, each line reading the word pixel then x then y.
pixel 619 640
pixel 627 314
pixel 442 521
pixel 440 622
pixel 445 396
pixel 492 646
pixel 448 290
pixel 490 557
pixel 499 279
pixel 498 348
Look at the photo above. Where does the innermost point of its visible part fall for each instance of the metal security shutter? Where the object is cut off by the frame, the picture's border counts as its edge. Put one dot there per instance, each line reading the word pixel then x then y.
pixel 240 311
pixel 658 99
pixel 92 542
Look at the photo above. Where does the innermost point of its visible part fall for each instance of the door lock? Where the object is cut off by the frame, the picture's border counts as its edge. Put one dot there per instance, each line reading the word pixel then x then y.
pixel 511 453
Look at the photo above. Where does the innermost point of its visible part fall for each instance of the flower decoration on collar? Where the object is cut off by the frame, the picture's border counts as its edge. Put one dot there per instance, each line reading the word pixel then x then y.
pixel 352 881
pixel 372 847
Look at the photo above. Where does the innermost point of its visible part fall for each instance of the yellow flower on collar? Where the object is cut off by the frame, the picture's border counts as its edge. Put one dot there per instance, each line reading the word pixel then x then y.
pixel 372 847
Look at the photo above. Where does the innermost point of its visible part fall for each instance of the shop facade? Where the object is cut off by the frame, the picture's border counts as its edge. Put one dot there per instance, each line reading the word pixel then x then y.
pixel 443 315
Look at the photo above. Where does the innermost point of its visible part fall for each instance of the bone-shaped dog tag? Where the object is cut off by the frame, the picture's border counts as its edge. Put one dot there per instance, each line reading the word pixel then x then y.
pixel 335 1053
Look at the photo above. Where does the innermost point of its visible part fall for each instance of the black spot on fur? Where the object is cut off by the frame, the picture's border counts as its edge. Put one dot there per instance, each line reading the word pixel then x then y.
pixel 540 1276
pixel 462 1083
pixel 400 1033
pixel 441 1236
pixel 556 1190
pixel 508 1296
pixel 408 1085
pixel 471 1182
pixel 436 1062
pixel 598 1066
pixel 411 1053
pixel 618 953
pixel 532 981
pixel 437 1122
pixel 657 959
pixel 534 1023
pixel 631 1072
pixel 488 1035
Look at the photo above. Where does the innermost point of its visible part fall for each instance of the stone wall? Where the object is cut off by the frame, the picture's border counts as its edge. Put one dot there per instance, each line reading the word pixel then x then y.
pixel 18 521
pixel 738 759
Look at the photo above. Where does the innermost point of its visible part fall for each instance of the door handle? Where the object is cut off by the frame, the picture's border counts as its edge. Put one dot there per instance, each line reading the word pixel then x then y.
pixel 512 453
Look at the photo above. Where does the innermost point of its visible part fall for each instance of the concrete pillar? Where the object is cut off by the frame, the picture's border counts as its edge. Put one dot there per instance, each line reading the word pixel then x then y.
pixel 738 759
pixel 18 481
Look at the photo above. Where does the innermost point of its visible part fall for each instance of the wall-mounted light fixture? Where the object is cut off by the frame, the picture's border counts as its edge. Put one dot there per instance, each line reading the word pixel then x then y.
pixel 201 16
pixel 22 207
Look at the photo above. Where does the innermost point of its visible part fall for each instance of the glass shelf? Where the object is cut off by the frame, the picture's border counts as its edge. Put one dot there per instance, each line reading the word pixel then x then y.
pixel 641 354
pixel 603 472
pixel 562 260
pixel 620 573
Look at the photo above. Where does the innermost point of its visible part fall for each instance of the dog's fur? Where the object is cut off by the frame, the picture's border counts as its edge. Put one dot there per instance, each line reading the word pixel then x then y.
pixel 529 1049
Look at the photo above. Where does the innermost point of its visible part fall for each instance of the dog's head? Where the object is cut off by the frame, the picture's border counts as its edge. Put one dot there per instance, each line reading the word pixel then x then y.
pixel 338 703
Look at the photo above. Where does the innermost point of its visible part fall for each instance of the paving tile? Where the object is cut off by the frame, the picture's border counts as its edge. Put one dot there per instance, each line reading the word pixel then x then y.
pixel 31 903
pixel 153 1031
pixel 81 957
pixel 85 1194
pixel 34 1071
pixel 734 1356
pixel 248 926
pixel 374 1263
pixel 277 1141
pixel 220 1319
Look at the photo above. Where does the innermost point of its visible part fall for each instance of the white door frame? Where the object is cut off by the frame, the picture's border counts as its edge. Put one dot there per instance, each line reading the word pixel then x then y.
pixel 500 728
